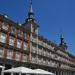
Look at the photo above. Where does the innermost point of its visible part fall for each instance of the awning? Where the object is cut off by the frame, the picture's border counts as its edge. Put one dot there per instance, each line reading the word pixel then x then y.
pixel 27 71
pixel 40 71
pixel 2 66
pixel 19 70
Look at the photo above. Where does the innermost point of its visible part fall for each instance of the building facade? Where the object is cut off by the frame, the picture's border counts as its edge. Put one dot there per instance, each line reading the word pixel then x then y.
pixel 21 45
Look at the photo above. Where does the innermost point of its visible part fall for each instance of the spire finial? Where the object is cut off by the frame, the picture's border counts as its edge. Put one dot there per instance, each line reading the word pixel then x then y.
pixel 62 39
pixel 30 13
pixel 62 36
pixel 62 43
pixel 31 10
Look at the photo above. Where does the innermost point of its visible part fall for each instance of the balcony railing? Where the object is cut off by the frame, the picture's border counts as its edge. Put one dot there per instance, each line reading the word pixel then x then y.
pixel 34 50
pixel 18 56
pixel 9 54
pixel 62 53
pixel 25 58
pixel 34 40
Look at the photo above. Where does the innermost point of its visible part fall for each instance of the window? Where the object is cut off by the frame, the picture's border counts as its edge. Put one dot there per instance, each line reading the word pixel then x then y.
pixel 11 41
pixel 4 26
pixel 13 30
pixel 19 42
pixel 25 36
pixel 25 46
pixel 25 58
pixel 19 33
pixel 2 37
pixel 17 56
pixel 9 54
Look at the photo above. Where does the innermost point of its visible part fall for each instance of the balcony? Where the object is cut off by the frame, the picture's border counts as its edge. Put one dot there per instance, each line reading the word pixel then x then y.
pixel 34 49
pixel 51 48
pixel 9 54
pixel 40 51
pixel 25 58
pixel 40 61
pixel 18 55
pixel 62 53
pixel 40 42
pixel 34 59
pixel 65 66
pixel 34 40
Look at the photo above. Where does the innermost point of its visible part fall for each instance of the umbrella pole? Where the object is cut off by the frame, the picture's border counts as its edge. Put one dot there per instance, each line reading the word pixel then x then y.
pixel 2 73
pixel 19 73
pixel 11 73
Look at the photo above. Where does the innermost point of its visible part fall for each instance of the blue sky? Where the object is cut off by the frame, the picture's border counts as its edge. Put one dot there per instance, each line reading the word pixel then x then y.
pixel 53 16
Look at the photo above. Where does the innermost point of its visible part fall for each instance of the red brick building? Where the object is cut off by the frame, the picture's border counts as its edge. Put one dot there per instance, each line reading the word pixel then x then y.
pixel 21 45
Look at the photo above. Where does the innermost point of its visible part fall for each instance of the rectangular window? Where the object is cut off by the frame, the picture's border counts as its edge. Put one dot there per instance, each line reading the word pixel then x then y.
pixel 25 46
pixel 17 56
pixel 25 58
pixel 20 33
pixel 9 54
pixel 13 30
pixel 19 43
pixel 2 37
pixel 11 41
pixel 25 36
pixel 4 26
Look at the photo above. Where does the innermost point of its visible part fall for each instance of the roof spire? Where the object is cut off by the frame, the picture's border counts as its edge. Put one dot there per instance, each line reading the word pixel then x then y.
pixel 31 10
pixel 30 13
pixel 62 43
pixel 62 36
pixel 62 39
